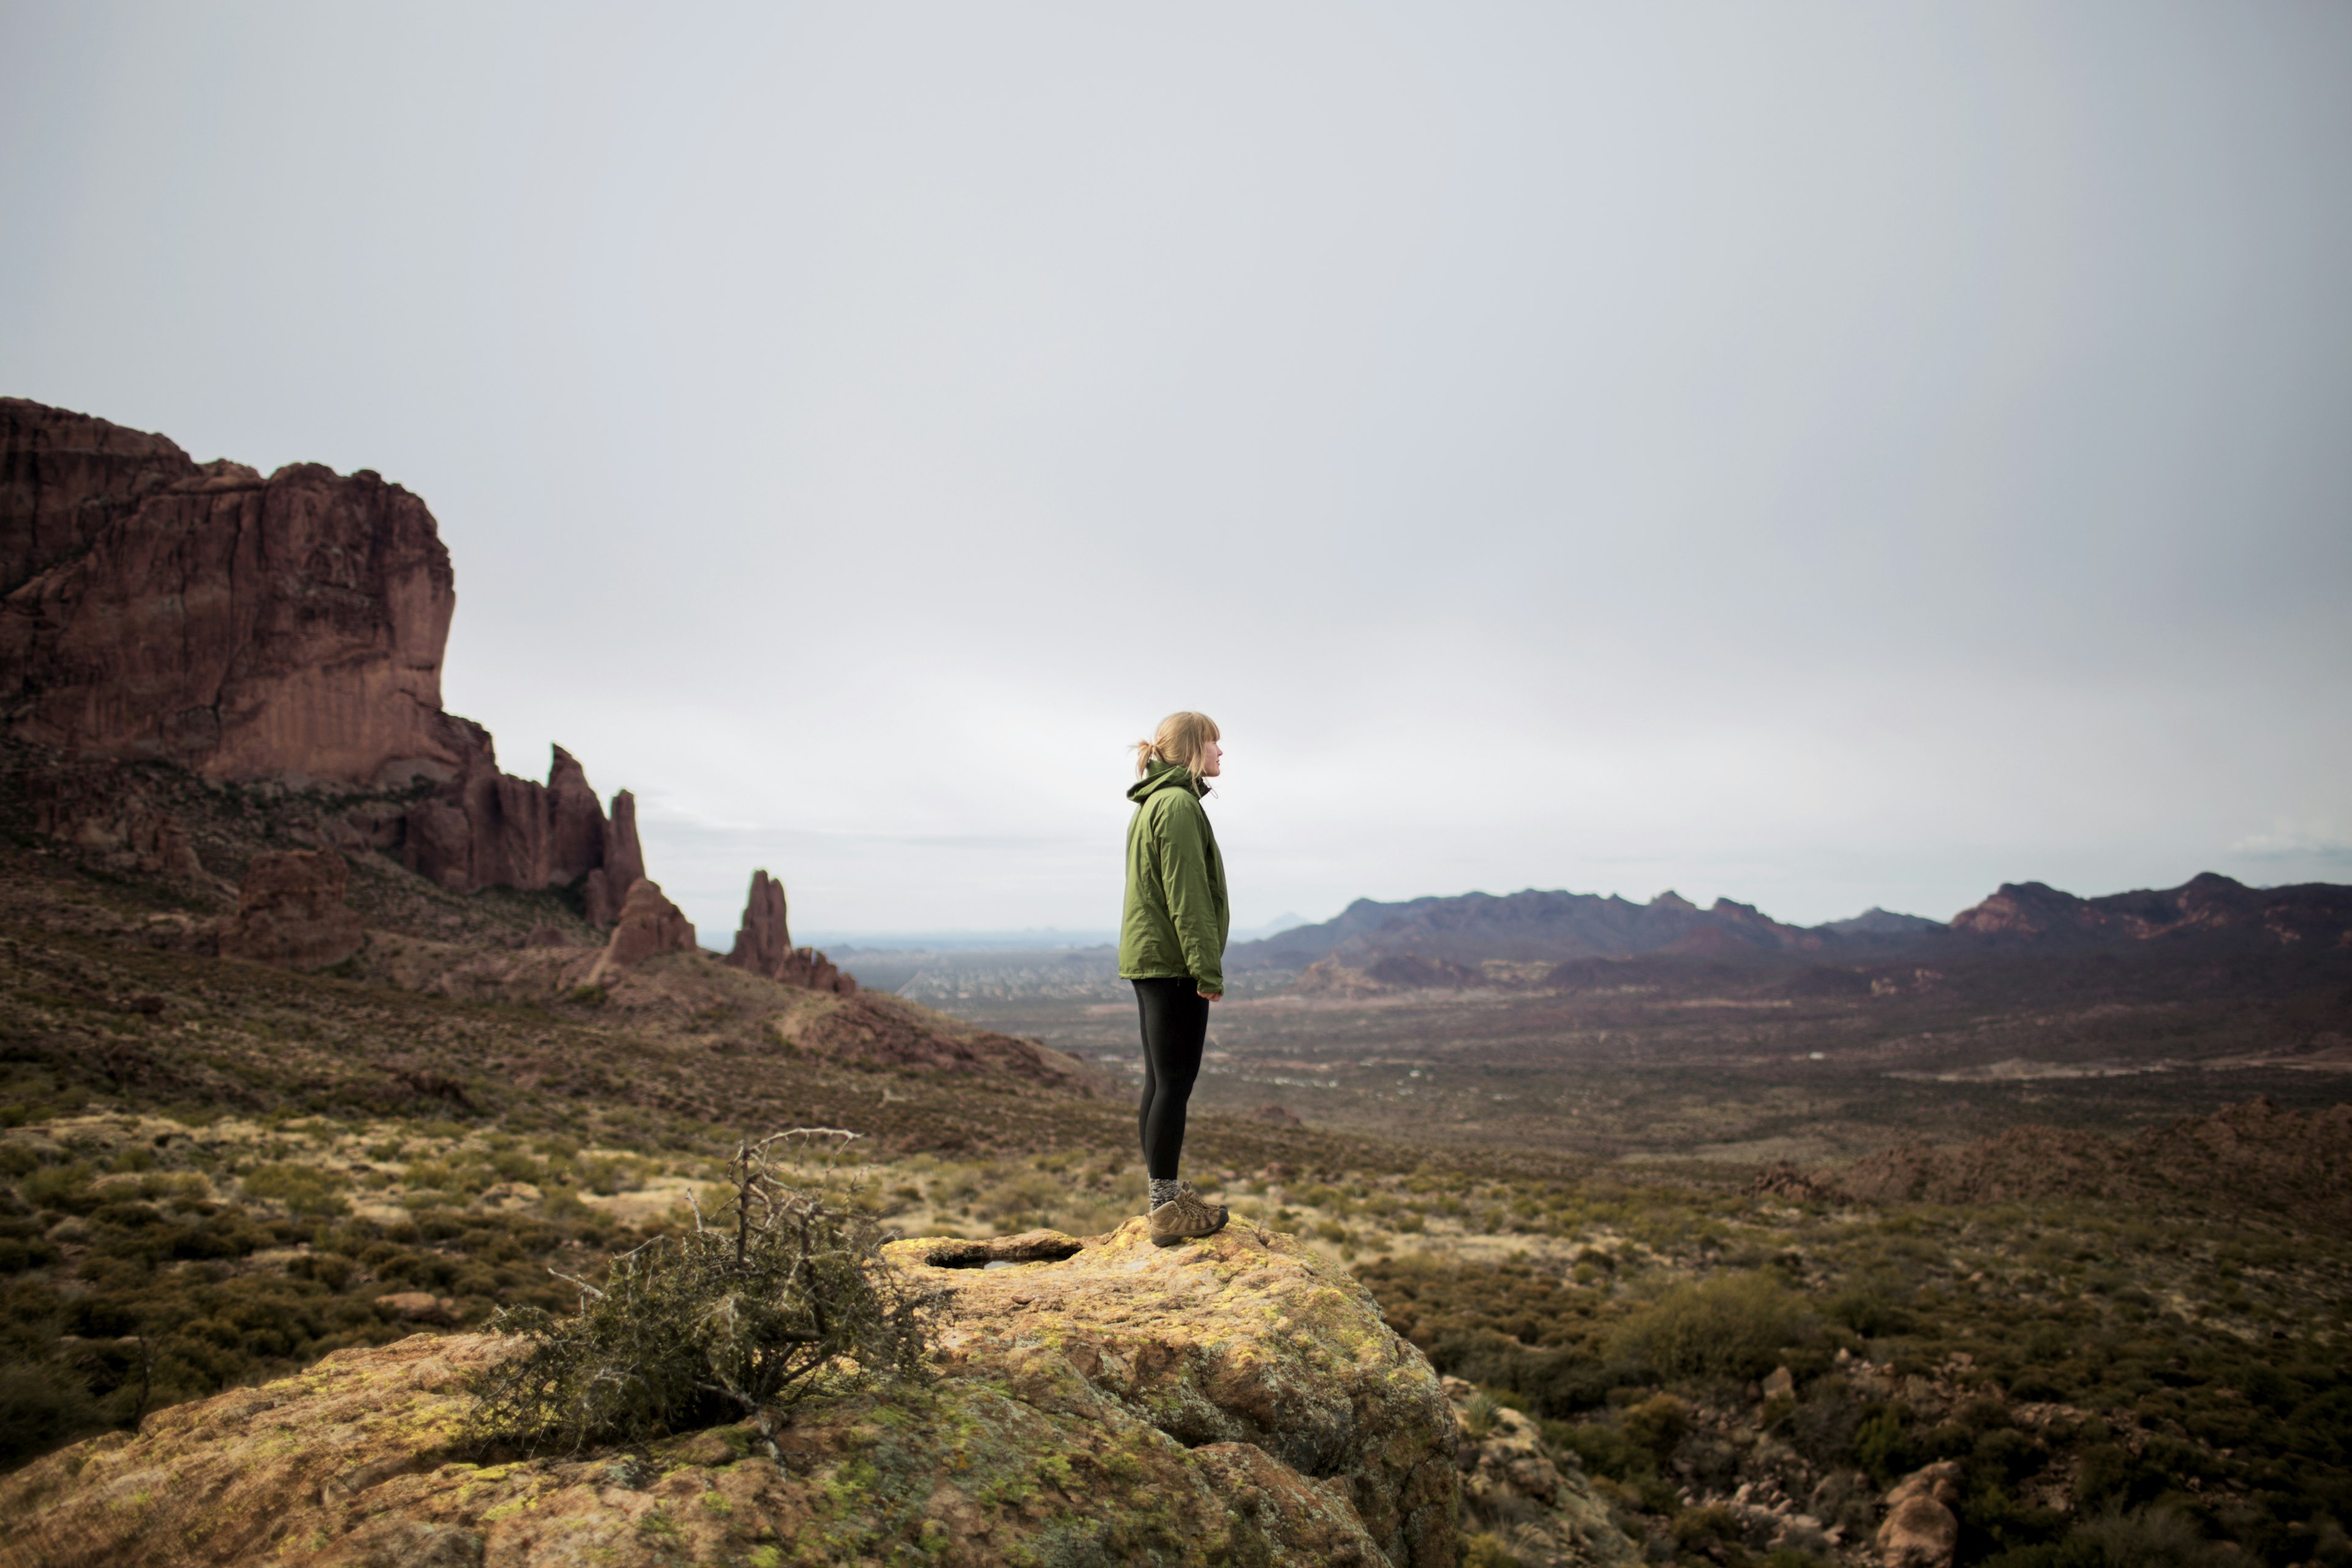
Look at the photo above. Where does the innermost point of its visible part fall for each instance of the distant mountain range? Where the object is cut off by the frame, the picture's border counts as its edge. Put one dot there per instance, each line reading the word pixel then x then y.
pixel 1441 941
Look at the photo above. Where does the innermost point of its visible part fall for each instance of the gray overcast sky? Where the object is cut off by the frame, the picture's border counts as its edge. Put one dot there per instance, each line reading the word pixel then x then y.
pixel 1823 454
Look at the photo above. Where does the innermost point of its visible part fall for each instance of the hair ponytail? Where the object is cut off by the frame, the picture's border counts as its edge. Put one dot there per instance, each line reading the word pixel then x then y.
pixel 1180 740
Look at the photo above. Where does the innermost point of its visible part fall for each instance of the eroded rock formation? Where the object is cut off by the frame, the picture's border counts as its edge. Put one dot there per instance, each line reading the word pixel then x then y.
pixel 763 944
pixel 1235 1400
pixel 290 911
pixel 649 924
pixel 287 628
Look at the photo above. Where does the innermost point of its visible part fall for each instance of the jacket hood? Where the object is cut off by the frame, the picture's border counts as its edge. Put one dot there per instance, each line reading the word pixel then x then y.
pixel 1163 776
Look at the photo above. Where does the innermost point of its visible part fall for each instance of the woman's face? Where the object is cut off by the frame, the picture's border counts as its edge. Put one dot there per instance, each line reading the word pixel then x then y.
pixel 1213 759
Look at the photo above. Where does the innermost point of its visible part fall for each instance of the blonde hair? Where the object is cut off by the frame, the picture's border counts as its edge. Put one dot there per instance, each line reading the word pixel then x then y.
pixel 1180 739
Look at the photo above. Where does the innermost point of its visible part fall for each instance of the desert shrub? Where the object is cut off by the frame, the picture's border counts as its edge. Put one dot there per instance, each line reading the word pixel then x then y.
pixel 1822 1428
pixel 2151 1538
pixel 608 1176
pixel 1656 1424
pixel 1698 1529
pixel 1883 1446
pixel 40 1407
pixel 1871 1311
pixel 1026 1198
pixel 1485 1550
pixel 64 1188
pixel 721 1322
pixel 303 1189
pixel 1731 1326
pixel 1602 1447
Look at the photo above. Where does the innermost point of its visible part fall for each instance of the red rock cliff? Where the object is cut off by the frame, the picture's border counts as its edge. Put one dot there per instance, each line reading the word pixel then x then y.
pixel 287 628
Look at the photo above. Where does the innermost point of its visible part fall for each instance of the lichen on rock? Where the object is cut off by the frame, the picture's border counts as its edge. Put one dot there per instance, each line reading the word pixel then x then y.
pixel 1233 1400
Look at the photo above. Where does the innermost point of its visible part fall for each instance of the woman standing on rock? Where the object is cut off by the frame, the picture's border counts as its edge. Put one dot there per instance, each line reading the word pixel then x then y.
pixel 1171 944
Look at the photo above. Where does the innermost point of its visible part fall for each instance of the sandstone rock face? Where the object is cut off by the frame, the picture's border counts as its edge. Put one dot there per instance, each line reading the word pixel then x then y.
pixel 1920 1530
pixel 290 911
pixel 288 628
pixel 64 477
pixel 763 944
pixel 485 829
pixel 1230 1400
pixel 649 924
pixel 245 629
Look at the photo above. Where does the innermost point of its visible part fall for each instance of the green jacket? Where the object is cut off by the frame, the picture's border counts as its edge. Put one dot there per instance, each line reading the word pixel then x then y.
pixel 1176 916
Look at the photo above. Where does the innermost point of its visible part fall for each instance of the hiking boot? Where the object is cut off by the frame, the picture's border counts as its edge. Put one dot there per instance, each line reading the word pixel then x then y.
pixel 1184 1216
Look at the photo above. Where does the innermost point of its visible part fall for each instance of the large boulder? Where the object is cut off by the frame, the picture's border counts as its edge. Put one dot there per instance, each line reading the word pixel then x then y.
pixel 290 911
pixel 1922 1529
pixel 1234 1400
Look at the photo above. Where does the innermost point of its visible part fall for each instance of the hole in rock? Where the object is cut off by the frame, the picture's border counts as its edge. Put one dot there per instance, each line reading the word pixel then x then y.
pixel 1004 1252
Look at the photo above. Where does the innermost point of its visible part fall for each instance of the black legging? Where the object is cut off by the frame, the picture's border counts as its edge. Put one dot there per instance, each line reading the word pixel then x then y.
pixel 1175 1027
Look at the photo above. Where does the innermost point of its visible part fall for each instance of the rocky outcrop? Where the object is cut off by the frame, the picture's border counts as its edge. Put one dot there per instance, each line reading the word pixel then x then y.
pixel 1235 1400
pixel 623 863
pixel 290 911
pixel 245 629
pixel 763 944
pixel 1540 1504
pixel 288 628
pixel 649 923
pixel 110 817
pixel 484 828
pixel 877 1030
pixel 1922 1528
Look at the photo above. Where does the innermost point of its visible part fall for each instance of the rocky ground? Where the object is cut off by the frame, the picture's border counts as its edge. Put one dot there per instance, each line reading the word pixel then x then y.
pixel 1237 1400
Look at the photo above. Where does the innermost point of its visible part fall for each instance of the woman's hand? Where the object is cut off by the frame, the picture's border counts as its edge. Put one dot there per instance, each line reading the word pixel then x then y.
pixel 1213 995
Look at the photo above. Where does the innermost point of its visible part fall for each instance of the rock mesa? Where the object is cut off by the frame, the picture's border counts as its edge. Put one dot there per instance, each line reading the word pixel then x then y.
pixel 287 628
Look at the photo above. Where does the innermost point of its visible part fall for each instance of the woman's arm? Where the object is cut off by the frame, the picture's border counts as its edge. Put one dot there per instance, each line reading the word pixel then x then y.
pixel 1182 838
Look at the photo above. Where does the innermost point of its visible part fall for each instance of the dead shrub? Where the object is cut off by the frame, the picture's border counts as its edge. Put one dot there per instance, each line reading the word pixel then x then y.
pixel 728 1322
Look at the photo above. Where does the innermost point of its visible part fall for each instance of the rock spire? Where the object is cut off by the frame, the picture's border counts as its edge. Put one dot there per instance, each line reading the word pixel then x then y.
pixel 763 944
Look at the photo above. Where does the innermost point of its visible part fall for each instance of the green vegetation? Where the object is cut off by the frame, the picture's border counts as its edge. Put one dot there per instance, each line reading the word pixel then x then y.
pixel 2113 1391
pixel 724 1323
pixel 138 1269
